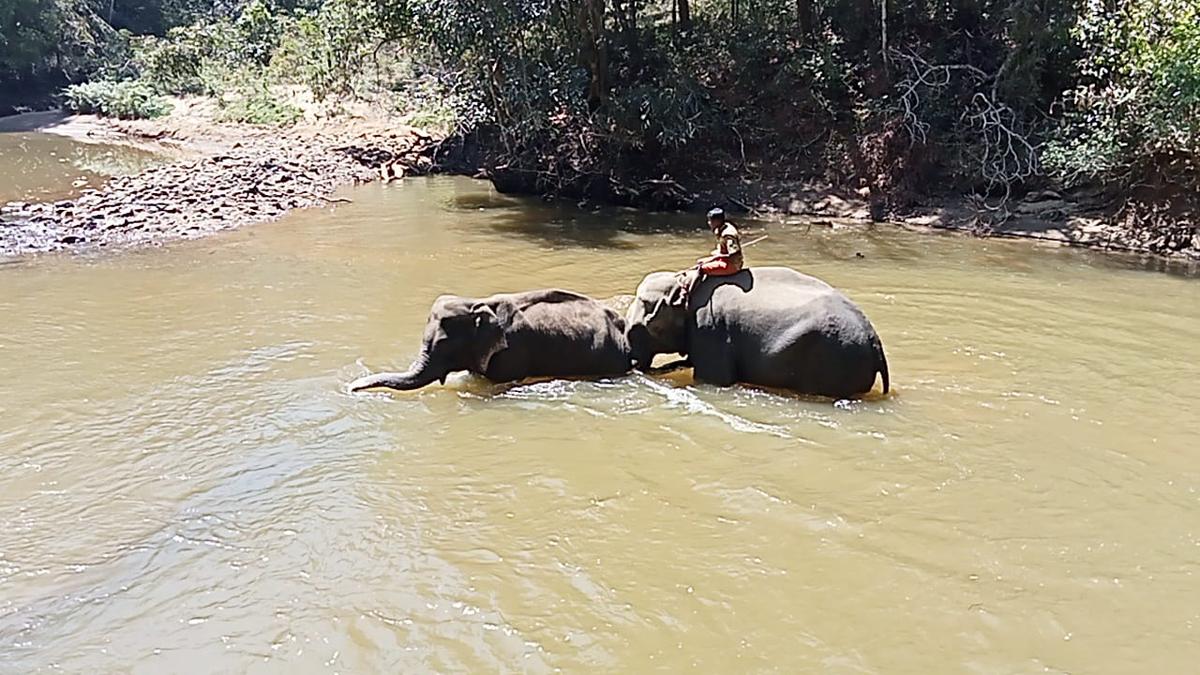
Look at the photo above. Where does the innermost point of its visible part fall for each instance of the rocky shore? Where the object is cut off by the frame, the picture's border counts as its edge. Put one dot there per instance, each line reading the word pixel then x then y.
pixel 236 175
pixel 1080 218
pixel 226 183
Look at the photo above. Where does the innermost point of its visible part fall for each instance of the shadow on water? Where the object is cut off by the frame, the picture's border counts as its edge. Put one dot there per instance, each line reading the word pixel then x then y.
pixel 30 122
pixel 482 201
pixel 565 233
pixel 1134 262
pixel 561 224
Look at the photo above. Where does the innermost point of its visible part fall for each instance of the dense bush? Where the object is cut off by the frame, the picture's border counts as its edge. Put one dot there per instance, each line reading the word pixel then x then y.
pixel 176 64
pixel 258 105
pixel 211 56
pixel 329 50
pixel 124 100
pixel 1136 115
pixel 901 97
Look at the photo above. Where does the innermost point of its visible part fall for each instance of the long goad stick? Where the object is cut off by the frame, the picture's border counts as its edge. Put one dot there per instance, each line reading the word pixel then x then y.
pixel 750 243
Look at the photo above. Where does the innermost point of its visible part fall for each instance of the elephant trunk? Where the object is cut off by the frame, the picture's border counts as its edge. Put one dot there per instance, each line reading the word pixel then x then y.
pixel 418 375
pixel 640 353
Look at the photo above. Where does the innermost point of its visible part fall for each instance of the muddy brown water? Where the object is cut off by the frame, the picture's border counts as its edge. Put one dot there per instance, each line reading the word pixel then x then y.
pixel 38 167
pixel 185 487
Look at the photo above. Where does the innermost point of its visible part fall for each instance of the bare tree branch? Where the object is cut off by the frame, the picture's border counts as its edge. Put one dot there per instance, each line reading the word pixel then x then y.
pixel 1007 156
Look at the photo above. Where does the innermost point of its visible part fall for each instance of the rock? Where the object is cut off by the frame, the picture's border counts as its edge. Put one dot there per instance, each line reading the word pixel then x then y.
pixel 259 178
pixel 1044 206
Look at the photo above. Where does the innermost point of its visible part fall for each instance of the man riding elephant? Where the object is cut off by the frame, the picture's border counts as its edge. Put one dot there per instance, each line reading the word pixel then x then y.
pixel 766 326
pixel 725 260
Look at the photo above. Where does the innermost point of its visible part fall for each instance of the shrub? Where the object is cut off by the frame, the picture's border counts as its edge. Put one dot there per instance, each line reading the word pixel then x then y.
pixel 124 100
pixel 1136 115
pixel 257 105
pixel 210 56
pixel 173 64
pixel 330 49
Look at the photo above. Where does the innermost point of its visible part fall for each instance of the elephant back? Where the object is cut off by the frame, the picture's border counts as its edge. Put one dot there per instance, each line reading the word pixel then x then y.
pixel 759 289
pixel 773 301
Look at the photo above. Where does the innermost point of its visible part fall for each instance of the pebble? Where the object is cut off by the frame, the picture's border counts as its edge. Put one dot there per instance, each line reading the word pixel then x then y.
pixel 257 180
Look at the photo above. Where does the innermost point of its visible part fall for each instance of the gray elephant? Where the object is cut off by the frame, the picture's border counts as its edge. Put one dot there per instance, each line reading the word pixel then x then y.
pixel 767 326
pixel 514 336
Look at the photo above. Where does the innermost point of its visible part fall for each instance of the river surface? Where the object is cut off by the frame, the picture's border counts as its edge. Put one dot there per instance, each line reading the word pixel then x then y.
pixel 186 487
pixel 39 167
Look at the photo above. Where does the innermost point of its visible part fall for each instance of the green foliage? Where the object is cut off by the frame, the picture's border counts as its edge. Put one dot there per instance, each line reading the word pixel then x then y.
pixel 981 92
pixel 425 98
pixel 52 40
pixel 124 100
pixel 210 57
pixel 173 64
pixel 331 49
pixel 258 105
pixel 27 33
pixel 257 33
pixel 1136 115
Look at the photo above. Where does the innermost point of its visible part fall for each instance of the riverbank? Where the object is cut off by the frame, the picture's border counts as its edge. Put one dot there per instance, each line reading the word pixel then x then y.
pixel 219 177
pixel 1078 218
pixel 224 176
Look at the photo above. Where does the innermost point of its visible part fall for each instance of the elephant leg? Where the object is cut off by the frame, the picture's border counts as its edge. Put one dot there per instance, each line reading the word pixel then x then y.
pixel 508 365
pixel 713 360
pixel 825 366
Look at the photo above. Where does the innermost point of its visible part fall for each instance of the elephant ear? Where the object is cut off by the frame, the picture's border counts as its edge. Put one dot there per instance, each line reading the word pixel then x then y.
pixel 676 297
pixel 489 333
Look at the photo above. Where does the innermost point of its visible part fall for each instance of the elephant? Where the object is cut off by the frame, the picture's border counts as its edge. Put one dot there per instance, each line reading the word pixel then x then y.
pixel 514 336
pixel 766 326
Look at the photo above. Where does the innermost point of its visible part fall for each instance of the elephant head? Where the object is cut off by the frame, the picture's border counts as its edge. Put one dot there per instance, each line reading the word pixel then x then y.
pixel 461 334
pixel 656 322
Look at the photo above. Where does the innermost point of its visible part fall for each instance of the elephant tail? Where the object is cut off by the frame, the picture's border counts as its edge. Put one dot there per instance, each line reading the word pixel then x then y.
pixel 881 362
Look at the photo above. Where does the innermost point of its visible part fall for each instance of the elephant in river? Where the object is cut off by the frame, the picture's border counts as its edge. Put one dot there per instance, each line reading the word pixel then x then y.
pixel 514 336
pixel 766 326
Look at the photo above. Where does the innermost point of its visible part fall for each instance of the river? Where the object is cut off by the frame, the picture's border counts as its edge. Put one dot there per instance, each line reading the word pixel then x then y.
pixel 38 167
pixel 186 487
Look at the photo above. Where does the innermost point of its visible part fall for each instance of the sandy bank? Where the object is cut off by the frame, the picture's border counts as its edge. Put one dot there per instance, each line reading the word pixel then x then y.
pixel 225 176
pixel 231 175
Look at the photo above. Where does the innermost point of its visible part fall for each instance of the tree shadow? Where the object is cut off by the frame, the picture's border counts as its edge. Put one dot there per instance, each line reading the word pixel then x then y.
pixel 1139 262
pixel 34 121
pixel 558 225
pixel 482 201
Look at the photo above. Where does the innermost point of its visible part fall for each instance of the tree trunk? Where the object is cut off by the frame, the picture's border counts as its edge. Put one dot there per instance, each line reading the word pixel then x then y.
pixel 593 50
pixel 883 32
pixel 685 15
pixel 804 18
